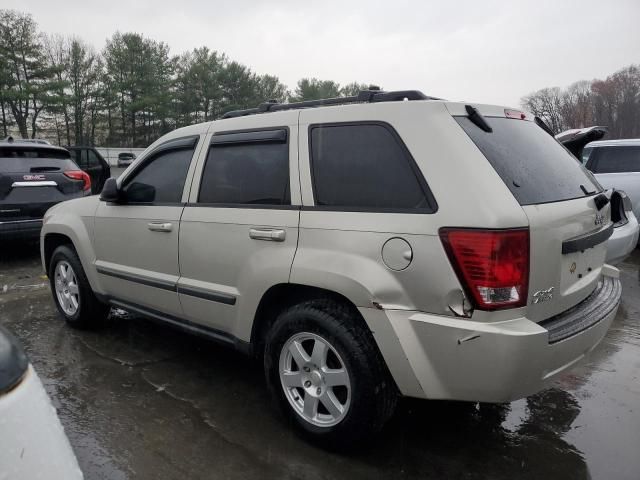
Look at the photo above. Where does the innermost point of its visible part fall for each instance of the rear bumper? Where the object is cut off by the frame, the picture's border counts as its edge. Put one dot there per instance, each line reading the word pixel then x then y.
pixel 623 241
pixel 460 359
pixel 13 230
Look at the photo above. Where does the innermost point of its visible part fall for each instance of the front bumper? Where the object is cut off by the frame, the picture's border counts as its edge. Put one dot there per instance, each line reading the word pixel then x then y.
pixel 19 229
pixel 461 359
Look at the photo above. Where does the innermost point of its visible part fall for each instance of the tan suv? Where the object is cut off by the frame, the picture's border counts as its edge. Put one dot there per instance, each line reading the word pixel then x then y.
pixel 362 248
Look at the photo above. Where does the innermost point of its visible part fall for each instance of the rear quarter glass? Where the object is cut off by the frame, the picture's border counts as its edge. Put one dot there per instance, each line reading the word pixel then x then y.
pixel 533 165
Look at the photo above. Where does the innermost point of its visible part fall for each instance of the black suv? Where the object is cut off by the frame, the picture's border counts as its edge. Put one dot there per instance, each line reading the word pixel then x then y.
pixel 90 160
pixel 33 177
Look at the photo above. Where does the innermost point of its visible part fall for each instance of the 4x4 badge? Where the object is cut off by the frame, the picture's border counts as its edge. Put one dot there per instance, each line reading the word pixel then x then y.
pixel 543 295
pixel 599 219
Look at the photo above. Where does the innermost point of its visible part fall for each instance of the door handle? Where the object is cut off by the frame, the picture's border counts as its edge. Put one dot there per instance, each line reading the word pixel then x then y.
pixel 160 227
pixel 270 234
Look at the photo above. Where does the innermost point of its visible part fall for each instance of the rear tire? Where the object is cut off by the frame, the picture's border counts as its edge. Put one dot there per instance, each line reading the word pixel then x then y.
pixel 339 394
pixel 72 292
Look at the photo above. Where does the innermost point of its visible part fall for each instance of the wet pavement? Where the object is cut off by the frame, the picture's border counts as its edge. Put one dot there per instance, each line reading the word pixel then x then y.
pixel 140 400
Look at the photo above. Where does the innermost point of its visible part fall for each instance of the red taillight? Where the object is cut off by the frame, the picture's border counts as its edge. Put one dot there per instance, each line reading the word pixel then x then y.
pixel 80 175
pixel 493 265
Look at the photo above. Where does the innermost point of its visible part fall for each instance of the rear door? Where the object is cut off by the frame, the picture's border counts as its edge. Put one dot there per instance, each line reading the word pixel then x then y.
pixel 97 169
pixel 239 232
pixel 32 179
pixel 568 231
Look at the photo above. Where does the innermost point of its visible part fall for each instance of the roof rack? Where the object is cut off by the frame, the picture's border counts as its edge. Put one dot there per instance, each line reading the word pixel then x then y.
pixel 372 95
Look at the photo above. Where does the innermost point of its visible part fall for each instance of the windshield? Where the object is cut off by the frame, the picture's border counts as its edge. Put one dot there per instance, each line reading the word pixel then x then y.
pixel 533 165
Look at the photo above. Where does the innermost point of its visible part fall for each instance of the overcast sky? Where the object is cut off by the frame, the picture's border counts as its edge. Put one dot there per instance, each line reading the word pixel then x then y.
pixel 484 50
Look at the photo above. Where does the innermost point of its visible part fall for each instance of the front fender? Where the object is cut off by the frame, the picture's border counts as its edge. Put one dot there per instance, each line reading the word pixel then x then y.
pixel 74 220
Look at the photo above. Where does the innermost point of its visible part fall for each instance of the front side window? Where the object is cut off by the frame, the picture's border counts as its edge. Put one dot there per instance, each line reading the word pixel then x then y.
pixel 615 159
pixel 162 179
pixel 246 173
pixel 365 167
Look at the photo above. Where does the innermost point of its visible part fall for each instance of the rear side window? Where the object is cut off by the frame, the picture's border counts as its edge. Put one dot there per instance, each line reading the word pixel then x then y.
pixel 365 167
pixel 248 173
pixel 162 179
pixel 615 159
pixel 533 165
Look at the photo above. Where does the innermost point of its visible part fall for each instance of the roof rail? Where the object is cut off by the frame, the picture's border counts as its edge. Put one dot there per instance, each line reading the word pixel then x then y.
pixel 372 95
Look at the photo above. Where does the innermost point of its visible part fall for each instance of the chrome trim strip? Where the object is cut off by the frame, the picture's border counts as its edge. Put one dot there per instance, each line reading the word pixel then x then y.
pixel 44 183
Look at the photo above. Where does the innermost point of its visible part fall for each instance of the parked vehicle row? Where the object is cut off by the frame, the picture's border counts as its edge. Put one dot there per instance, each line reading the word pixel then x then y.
pixel 364 247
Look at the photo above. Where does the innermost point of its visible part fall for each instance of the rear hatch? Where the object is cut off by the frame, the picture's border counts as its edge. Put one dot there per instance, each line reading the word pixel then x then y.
pixel 568 231
pixel 575 140
pixel 33 178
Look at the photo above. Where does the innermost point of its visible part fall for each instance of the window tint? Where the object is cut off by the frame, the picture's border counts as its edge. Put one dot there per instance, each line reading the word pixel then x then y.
pixel 363 166
pixel 92 160
pixel 255 173
pixel 162 179
pixel 532 164
pixel 586 153
pixel 615 159
pixel 25 159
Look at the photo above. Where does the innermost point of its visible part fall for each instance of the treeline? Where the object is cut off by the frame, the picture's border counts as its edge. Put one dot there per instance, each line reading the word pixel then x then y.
pixel 613 102
pixel 128 94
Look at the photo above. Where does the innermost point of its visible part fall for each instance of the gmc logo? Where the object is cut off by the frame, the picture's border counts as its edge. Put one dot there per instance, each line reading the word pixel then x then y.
pixel 30 178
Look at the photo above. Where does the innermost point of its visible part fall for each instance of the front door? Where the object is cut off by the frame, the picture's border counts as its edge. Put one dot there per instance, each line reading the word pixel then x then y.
pixel 136 239
pixel 239 233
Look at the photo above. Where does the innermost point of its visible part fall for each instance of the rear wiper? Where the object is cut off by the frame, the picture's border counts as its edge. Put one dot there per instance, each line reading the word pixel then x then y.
pixel 585 191
pixel 476 117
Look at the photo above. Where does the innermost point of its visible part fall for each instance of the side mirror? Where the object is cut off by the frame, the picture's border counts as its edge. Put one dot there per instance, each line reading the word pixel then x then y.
pixel 110 192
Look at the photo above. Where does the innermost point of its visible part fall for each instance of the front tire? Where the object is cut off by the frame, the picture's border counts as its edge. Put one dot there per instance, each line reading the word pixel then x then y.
pixel 325 373
pixel 72 292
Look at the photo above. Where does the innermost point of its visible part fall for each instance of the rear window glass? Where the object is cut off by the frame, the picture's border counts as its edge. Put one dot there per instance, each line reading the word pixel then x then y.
pixel 615 159
pixel 29 159
pixel 533 165
pixel 26 152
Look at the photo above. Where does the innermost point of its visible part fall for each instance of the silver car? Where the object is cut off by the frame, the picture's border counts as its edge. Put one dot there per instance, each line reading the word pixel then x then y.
pixel 616 165
pixel 360 248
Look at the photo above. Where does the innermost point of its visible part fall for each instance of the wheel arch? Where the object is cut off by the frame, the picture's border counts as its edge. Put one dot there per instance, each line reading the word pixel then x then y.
pixel 76 236
pixel 284 295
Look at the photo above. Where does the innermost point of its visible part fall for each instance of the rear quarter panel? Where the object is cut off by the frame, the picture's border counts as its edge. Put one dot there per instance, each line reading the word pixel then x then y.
pixel 342 251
